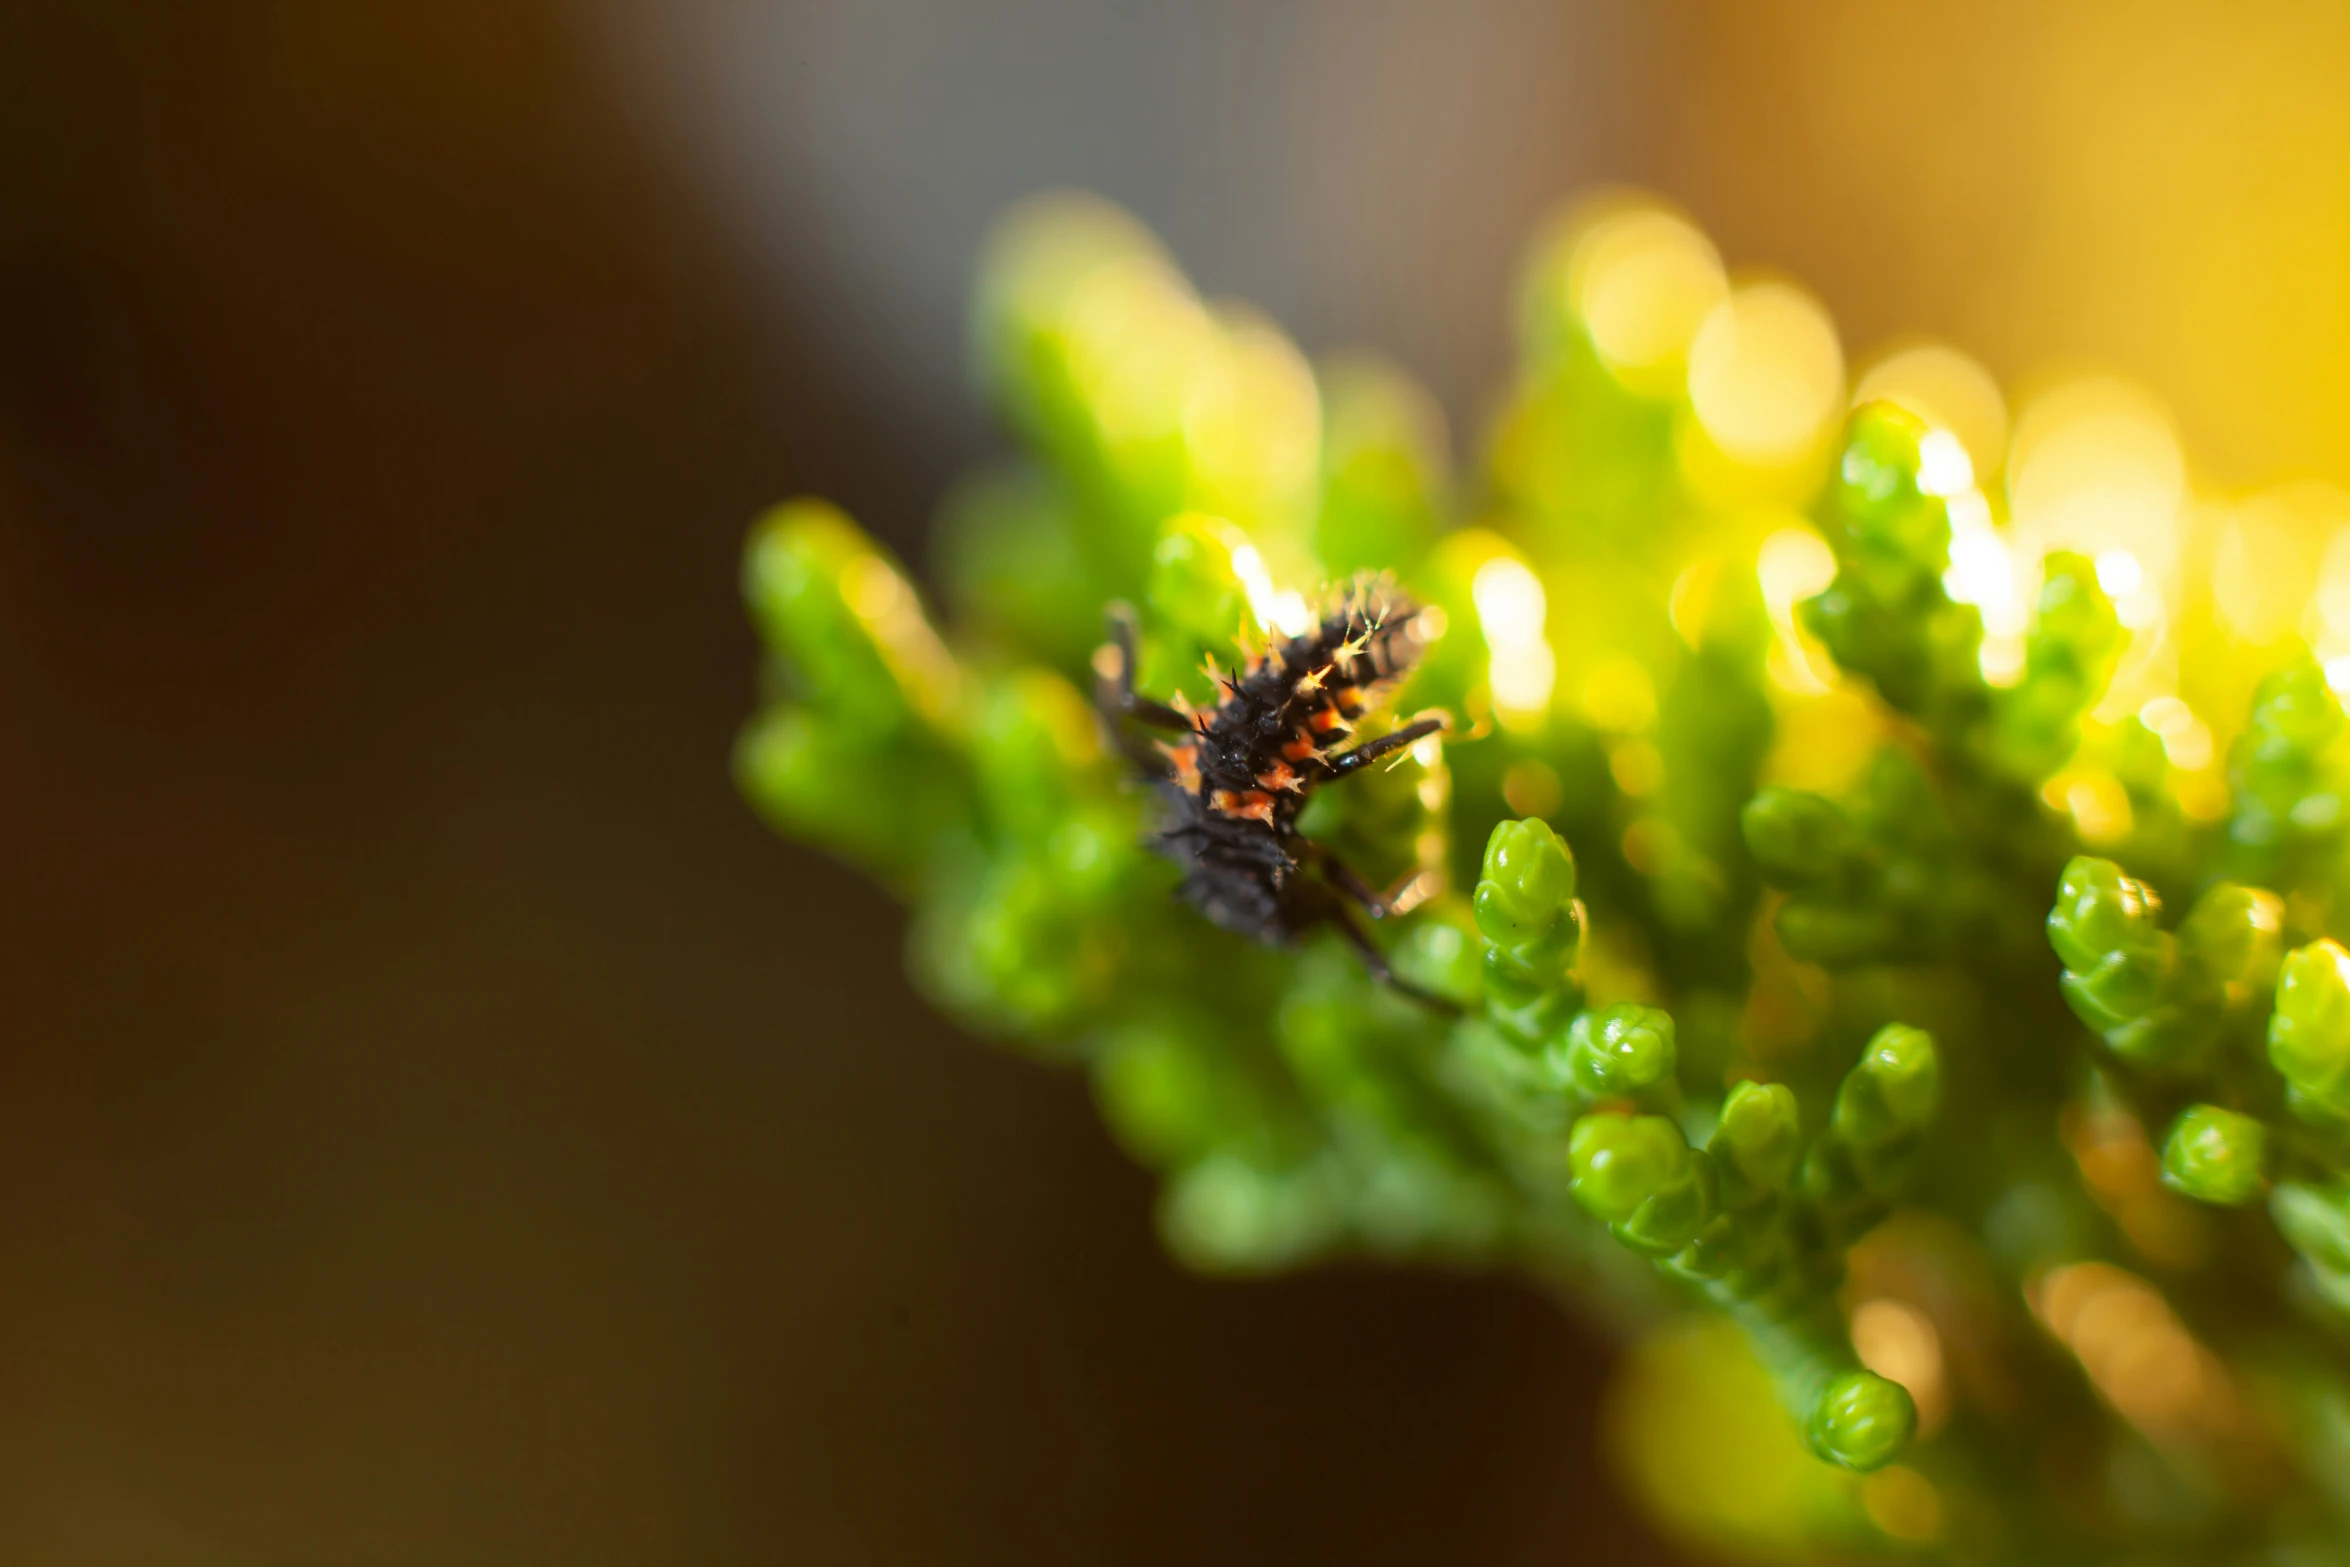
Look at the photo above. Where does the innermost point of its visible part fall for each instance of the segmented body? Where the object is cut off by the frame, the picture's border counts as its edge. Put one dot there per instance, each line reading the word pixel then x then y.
pixel 1283 726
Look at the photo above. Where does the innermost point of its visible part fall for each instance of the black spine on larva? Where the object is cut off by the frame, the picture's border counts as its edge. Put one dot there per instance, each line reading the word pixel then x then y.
pixel 1237 784
pixel 1299 703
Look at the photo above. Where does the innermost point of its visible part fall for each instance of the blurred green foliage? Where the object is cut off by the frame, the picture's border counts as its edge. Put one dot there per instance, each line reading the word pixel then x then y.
pixel 1778 872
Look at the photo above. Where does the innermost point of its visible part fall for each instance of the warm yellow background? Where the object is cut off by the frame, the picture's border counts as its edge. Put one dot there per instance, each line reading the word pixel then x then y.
pixel 2161 190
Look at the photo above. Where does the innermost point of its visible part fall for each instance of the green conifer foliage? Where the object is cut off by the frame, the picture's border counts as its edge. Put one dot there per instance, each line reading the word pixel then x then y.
pixel 1788 941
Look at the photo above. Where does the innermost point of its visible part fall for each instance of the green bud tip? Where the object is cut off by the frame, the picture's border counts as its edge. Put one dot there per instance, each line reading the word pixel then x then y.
pixel 799 548
pixel 1620 1161
pixel 1620 1049
pixel 1880 461
pixel 1529 876
pixel 1862 1421
pixel 2237 933
pixel 1793 832
pixel 2072 604
pixel 2098 911
pixel 2298 705
pixel 2309 1034
pixel 1760 1134
pixel 1895 1088
pixel 2215 1156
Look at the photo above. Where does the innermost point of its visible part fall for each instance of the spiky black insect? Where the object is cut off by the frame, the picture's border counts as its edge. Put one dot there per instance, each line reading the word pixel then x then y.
pixel 1236 781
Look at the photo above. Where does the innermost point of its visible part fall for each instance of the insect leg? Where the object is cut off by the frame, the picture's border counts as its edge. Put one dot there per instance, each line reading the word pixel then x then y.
pixel 1347 880
pixel 1113 666
pixel 1376 961
pixel 1370 751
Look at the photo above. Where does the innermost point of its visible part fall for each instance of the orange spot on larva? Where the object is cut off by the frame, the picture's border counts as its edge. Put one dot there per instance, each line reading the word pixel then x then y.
pixel 1185 760
pixel 1253 805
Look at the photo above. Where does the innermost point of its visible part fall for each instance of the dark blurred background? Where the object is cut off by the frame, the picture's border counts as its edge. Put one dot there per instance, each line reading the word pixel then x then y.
pixel 437 1124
